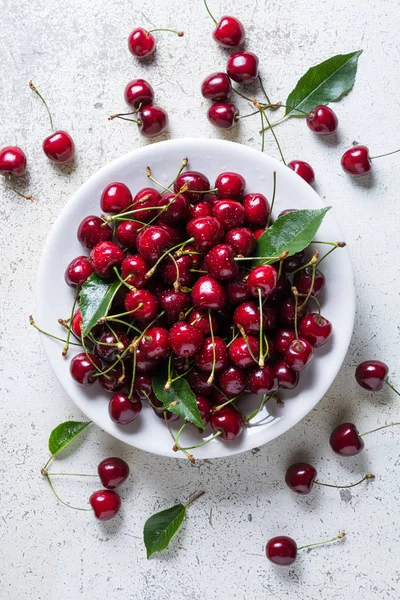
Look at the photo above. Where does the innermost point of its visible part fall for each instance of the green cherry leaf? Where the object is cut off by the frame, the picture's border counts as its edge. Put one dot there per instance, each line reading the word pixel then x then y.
pixel 179 399
pixel 64 433
pixel 290 233
pixel 327 82
pixel 95 300
pixel 161 527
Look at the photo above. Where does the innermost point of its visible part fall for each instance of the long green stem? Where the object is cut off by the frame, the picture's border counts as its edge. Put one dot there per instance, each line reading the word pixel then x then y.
pixel 32 322
pixel 378 429
pixel 207 441
pixel 67 342
pixel 263 90
pixel 211 378
pixel 209 12
pixel 338 537
pixel 365 478
pixel 273 200
pixel 178 33
pixel 382 155
pixel 59 499
pixel 34 89
pixel 391 387
pixel 11 184
pixel 260 308
pixel 275 138
pixel 73 474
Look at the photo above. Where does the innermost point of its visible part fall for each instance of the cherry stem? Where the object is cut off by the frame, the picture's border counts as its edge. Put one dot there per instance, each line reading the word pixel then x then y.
pixel 193 498
pixel 11 184
pixel 34 89
pixel 210 13
pixel 275 138
pixel 228 401
pixel 246 340
pixel 327 254
pixel 242 95
pixel 71 474
pixel 176 445
pixel 378 429
pixel 150 176
pixel 32 322
pixel 178 33
pixel 46 475
pixel 67 342
pixel 273 199
pixel 272 258
pixel 123 281
pixel 338 537
pixel 310 289
pixel 151 271
pixel 263 402
pixel 130 394
pixel 382 155
pixel 262 131
pixel 263 90
pixel 207 441
pixel 183 166
pixel 117 115
pixel 211 378
pixel 137 121
pixel 365 478
pixel 391 387
pixel 296 300
pixel 260 308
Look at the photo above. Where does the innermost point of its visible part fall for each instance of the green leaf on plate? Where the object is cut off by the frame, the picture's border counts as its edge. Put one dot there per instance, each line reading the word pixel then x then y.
pixel 179 393
pixel 160 528
pixel 95 300
pixel 327 82
pixel 64 433
pixel 292 233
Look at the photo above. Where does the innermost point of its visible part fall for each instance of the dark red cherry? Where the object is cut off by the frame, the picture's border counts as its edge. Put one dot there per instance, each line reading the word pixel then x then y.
pixel 239 352
pixel 315 329
pixel 78 270
pixel 247 315
pixel 229 32
pixel 283 338
pixel 216 87
pixel 207 292
pixel 228 422
pixel 262 380
pixel 230 186
pixel 115 198
pixel 108 345
pixel 113 472
pixel 138 93
pixel 286 211
pixel 198 184
pixel 264 278
pixel 303 279
pixel 144 364
pixel 242 67
pixel 152 121
pixel 152 242
pixel 204 406
pixel 83 367
pixel 142 305
pixel 198 381
pixel 134 269
pixel 229 213
pixel 178 208
pixel 287 311
pixel 345 440
pixel 201 209
pixel 223 115
pixel 76 325
pixel 12 160
pixel 356 161
pixel 300 478
pixel 258 233
pixel 236 290
pixel 91 232
pixel 142 387
pixel 303 169
pixel 322 120
pixel 242 239
pixel 281 550
pixel 204 359
pixel 232 381
pixel 256 210
pixel 177 269
pixel 291 263
pixel 287 378
pixel 175 304
pixel 105 504
pixel 177 235
pixel 127 233
pixel 115 379
pixel 164 415
pixel 372 374
pixel 220 262
pixel 155 343
pixel 185 340
pixel 206 231
pixel 104 257
pixel 199 318
pixel 141 43
pixel 146 199
pixel 59 147
pixel 298 354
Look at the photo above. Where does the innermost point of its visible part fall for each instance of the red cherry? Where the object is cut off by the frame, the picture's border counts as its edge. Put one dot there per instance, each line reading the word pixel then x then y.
pixel 263 278
pixel 216 87
pixel 198 381
pixel 144 364
pixel 223 115
pixel 115 198
pixel 322 120
pixel 201 209
pixel 59 147
pixel 78 270
pixel 105 504
pixel 207 292
pixel 185 340
pixel 142 304
pixel 239 352
pixel 199 318
pixel 108 345
pixel 204 359
pixel 262 380
pixel 123 410
pixel 204 406
pixel 302 280
pixel 146 198
pixel 229 213
pixel 76 324
pixel 236 290
pixel 113 472
pixel 256 210
pixel 230 185
pixel 178 208
pixel 177 270
pixel 247 315
pixel 242 67
pixel 206 231
pixel 114 380
pixel 83 367
pixel 197 184
pixel 283 338
pixel 174 304
pixel 162 414
pixel 303 169
pixel 232 381
pixel 155 343
pixel 356 161
pixel 242 239
pixel 299 354
pixel 141 43
pixel 315 329
pixel 258 233
pixel 281 550
pixel 287 311
pixel 287 378
pixel 91 232
pixel 104 257
pixel 292 263
pixel 300 478
pixel 372 374
pixel 220 262
pixel 138 92
pixel 127 233
pixel 152 242
pixel 134 269
pixel 12 160
pixel 152 121
pixel 228 422
pixel 229 32
pixel 345 440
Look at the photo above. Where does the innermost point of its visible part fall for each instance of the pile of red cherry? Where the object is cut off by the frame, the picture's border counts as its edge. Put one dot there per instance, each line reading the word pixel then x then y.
pixel 186 300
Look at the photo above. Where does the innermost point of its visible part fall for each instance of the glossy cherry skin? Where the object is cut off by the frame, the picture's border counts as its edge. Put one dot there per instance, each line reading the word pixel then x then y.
pixel 220 262
pixel 303 279
pixel 134 269
pixel 115 198
pixel 141 43
pixel 83 368
pixel 242 67
pixel 155 343
pixel 177 270
pixel 142 388
pixel 207 292
pixel 229 213
pixel 114 380
pixel 78 270
pixel 372 374
pixel 127 233
pixel 229 32
pixel 287 311
pixel 175 304
pixel 303 169
pixel 178 208
pixel 201 209
pixel 287 378
pixel 199 318
pixel 142 304
pixel 232 381
pixel 109 345
pixel 356 161
pixel 91 232
pixel 12 160
pixel 242 239
pixel 206 231
pixel 230 186
pixel 205 357
pixel 281 550
pixel 256 210
pixel 299 354
pixel 262 380
pixel 146 199
pixel 300 478
pixel 144 364
pixel 345 440
pixel 152 121
pixel 322 120
pixel 105 504
pixel 239 352
pixel 228 422
pixel 122 410
pixel 204 406
pixel 104 257
pixel 264 278
pixel 223 115
pixel 164 415
pixel 216 87
pixel 59 147
pixel 152 242
pixel 113 472
pixel 247 315
pixel 291 263
pixel 185 340
pixel 315 329
pixel 198 184
pixel 138 92
pixel 198 382
pixel 283 338
pixel 236 290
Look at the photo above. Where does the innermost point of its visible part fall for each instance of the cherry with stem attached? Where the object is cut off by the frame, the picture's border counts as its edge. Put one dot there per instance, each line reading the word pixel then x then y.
pixel 345 439
pixel 229 32
pixel 357 162
pixel 301 477
pixel 372 375
pixel 141 42
pixel 282 550
pixel 13 164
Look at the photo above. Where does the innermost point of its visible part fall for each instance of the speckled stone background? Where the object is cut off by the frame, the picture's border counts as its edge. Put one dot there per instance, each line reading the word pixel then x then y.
pixel 76 53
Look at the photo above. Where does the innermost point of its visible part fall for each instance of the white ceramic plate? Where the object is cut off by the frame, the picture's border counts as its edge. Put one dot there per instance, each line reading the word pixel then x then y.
pixel 54 298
